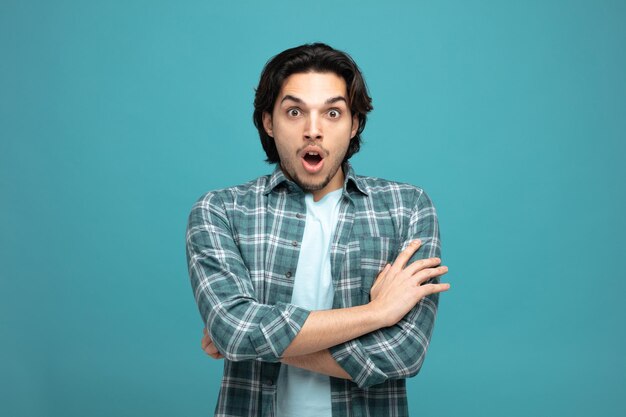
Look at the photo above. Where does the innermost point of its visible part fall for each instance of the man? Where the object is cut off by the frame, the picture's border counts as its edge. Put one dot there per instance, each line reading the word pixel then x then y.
pixel 319 287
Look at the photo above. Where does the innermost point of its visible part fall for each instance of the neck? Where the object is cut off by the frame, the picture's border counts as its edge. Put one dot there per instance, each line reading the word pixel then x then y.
pixel 335 183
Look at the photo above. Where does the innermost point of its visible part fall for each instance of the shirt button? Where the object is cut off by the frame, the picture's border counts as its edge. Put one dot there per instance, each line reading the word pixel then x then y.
pixel 288 274
pixel 299 216
pixel 294 243
pixel 269 382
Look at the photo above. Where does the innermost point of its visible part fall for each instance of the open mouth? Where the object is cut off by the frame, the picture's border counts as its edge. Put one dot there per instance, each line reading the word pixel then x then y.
pixel 312 158
pixel 312 161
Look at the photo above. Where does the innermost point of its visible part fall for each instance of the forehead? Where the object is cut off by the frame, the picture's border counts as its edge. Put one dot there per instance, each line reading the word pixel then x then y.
pixel 313 87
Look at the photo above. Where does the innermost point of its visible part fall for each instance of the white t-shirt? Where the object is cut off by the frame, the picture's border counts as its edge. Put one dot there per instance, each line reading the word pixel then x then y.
pixel 301 393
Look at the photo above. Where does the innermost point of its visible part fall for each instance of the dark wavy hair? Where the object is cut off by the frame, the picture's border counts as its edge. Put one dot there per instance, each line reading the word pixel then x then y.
pixel 315 57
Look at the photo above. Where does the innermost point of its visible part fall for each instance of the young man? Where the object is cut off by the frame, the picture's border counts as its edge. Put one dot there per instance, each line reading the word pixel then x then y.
pixel 319 287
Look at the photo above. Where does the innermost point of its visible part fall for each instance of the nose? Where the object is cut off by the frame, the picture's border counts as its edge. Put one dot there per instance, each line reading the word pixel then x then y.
pixel 313 128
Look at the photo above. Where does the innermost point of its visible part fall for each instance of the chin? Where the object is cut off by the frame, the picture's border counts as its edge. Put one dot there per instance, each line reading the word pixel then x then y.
pixel 312 185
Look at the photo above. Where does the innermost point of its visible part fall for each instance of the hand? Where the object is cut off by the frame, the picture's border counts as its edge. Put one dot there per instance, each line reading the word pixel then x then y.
pixel 398 287
pixel 209 347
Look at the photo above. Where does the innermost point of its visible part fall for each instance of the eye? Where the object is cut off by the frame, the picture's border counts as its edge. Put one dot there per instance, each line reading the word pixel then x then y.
pixel 293 112
pixel 334 113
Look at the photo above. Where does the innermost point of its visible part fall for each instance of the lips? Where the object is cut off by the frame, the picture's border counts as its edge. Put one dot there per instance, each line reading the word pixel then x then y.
pixel 312 159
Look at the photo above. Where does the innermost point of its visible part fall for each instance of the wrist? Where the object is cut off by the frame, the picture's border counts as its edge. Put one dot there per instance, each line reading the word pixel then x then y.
pixel 377 314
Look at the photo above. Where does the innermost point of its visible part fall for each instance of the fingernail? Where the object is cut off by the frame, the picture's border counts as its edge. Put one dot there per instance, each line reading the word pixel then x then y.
pixel 416 242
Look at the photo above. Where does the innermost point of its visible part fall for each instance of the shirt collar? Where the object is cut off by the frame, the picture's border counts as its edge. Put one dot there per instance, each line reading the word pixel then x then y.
pixel 351 181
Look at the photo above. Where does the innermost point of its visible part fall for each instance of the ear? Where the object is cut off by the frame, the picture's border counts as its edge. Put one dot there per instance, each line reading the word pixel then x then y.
pixel 267 124
pixel 355 125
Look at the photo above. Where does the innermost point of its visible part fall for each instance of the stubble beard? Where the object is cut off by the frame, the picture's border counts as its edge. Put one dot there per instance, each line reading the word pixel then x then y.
pixel 289 168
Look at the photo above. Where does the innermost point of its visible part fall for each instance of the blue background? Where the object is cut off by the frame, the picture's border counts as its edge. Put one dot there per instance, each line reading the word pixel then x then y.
pixel 116 116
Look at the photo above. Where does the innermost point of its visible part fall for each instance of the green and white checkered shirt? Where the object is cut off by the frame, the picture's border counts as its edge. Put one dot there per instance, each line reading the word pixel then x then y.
pixel 243 245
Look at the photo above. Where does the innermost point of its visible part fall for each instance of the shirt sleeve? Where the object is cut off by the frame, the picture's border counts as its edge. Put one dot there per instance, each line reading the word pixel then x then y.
pixel 241 328
pixel 398 351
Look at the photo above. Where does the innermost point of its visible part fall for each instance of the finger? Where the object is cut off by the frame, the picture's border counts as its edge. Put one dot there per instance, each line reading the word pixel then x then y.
pixel 430 273
pixel 406 254
pixel 216 355
pixel 381 277
pixel 420 264
pixel 379 281
pixel 429 289
pixel 206 339
pixel 210 349
pixel 206 342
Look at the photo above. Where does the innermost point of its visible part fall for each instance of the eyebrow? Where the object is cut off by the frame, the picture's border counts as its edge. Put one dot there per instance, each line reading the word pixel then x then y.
pixel 300 101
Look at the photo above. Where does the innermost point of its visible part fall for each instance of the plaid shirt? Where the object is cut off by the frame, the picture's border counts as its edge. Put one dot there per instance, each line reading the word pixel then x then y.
pixel 243 245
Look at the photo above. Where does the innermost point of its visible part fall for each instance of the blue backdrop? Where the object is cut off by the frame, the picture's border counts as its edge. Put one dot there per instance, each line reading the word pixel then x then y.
pixel 116 116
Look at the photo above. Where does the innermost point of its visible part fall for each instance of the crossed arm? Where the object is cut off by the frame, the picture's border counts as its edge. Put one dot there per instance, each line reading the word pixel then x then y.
pixel 303 338
pixel 396 290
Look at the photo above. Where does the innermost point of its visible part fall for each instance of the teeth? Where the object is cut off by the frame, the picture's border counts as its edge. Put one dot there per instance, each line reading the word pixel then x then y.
pixel 312 153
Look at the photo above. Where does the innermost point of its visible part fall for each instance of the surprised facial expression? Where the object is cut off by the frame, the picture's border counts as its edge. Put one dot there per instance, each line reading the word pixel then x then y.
pixel 312 126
